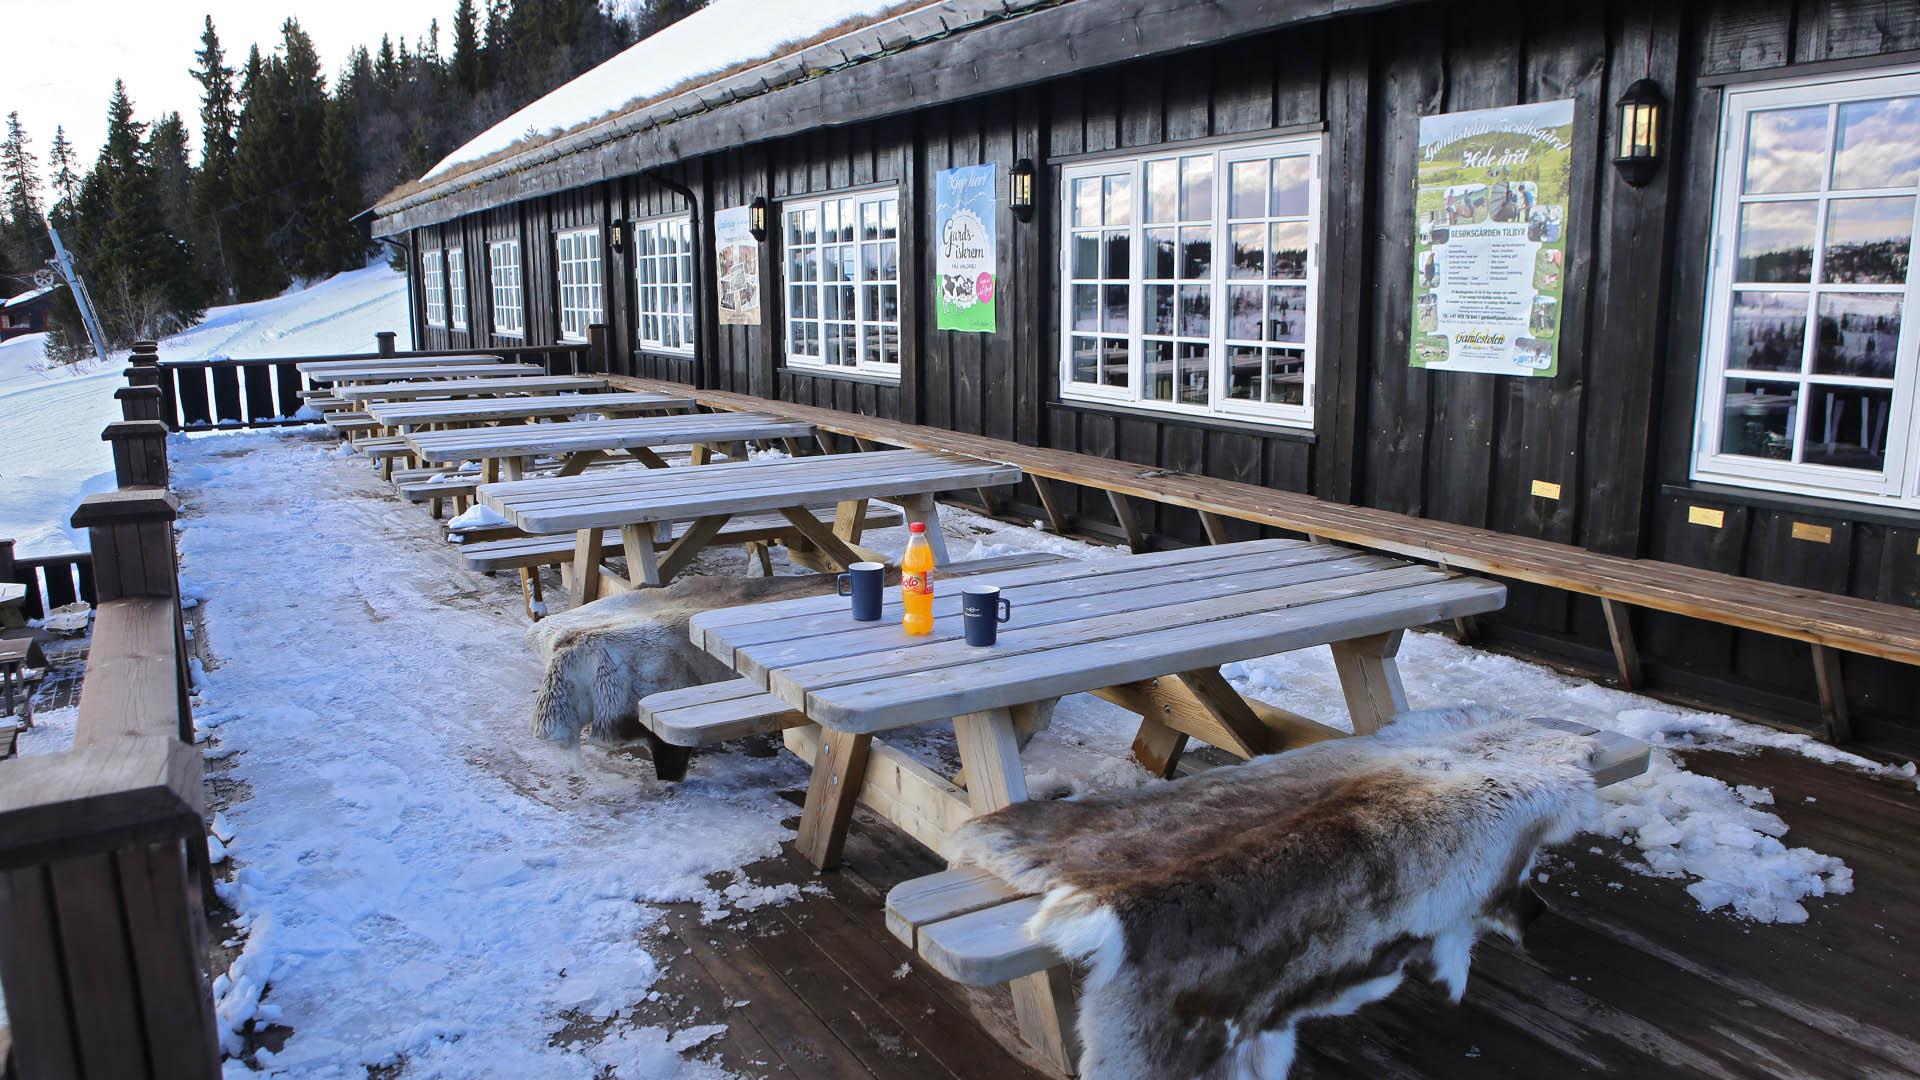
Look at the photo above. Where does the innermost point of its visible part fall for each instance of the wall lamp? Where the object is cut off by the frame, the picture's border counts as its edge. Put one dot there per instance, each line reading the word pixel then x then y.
pixel 757 218
pixel 1020 189
pixel 1637 151
pixel 619 227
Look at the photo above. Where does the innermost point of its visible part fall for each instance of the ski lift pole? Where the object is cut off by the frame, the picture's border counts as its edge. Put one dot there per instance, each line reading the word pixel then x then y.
pixel 81 298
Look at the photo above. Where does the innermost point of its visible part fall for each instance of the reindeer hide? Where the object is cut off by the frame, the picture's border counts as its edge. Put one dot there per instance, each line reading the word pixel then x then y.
pixel 1217 911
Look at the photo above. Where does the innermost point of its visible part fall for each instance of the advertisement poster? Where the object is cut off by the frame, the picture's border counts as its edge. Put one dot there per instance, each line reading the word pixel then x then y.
pixel 737 259
pixel 966 261
pixel 1490 247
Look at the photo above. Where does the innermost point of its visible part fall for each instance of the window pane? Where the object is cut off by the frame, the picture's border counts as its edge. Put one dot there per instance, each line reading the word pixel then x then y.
pixel 1086 201
pixel 1084 360
pixel 1159 256
pixel 1119 200
pixel 1163 190
pixel 1117 263
pixel 1292 177
pixel 1196 188
pixel 1115 309
pixel 1847 427
pixel 889 345
pixel 1786 149
pixel 1859 334
pixel 1194 374
pixel 870 221
pixel 1287 384
pixel 1086 307
pixel 1196 252
pixel 1243 312
pixel 1776 242
pixel 1287 313
pixel 1159 309
pixel 1244 373
pixel 1249 189
pixel 1868 241
pixel 1878 144
pixel 1768 331
pixel 1157 371
pixel 1756 419
pixel 890 219
pixel 1113 361
pixel 1289 250
pixel 1086 255
pixel 889 303
pixel 1249 252
pixel 1196 309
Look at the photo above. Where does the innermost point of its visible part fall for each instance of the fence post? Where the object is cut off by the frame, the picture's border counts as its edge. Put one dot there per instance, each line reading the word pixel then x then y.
pixel 6 559
pixel 131 532
pixel 596 360
pixel 139 452
pixel 384 339
pixel 139 402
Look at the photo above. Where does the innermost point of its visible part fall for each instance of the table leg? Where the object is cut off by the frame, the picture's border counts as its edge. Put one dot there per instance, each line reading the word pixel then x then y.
pixel 586 566
pixel 513 468
pixel 838 771
pixel 850 520
pixel 835 550
pixel 643 559
pixel 924 509
pixel 1370 679
pixel 691 543
pixel 576 464
pixel 645 456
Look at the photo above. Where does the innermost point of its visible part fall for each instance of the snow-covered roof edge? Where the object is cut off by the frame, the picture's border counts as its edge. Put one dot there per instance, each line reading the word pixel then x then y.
pixel 25 297
pixel 893 29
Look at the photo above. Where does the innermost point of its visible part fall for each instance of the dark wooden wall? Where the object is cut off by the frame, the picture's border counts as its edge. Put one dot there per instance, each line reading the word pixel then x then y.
pixel 1613 429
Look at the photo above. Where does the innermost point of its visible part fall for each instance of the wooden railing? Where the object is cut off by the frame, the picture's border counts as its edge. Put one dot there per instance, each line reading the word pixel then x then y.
pixel 51 580
pixel 265 392
pixel 103 852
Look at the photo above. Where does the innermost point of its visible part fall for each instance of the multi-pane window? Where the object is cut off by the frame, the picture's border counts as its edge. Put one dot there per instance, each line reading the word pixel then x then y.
pixel 1190 279
pixel 433 279
pixel 842 274
pixel 1809 367
pixel 503 274
pixel 457 286
pixel 663 283
pixel 577 264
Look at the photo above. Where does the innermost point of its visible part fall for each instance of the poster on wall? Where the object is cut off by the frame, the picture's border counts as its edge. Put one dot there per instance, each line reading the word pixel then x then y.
pixel 966 261
pixel 737 261
pixel 1490 239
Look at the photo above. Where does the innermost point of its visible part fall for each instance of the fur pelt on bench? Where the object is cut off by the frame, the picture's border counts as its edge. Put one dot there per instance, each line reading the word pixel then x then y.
pixel 602 658
pixel 1218 911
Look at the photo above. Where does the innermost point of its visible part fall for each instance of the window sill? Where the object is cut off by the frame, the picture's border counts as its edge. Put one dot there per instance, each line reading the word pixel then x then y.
pixel 1213 422
pixel 848 375
pixel 1810 506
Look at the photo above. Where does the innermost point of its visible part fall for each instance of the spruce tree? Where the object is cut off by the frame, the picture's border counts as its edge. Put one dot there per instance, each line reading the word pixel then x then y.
pixel 466 48
pixel 257 220
pixel 337 242
pixel 23 237
pixel 66 176
pixel 213 195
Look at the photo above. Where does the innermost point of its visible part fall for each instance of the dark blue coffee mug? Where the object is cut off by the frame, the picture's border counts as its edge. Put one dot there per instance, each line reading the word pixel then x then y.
pixel 862 581
pixel 982 610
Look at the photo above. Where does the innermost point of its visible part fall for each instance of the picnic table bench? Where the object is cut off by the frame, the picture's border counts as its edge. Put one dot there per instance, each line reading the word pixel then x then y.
pixel 391 372
pixel 632 501
pixel 308 367
pixel 503 450
pixel 400 414
pixel 407 389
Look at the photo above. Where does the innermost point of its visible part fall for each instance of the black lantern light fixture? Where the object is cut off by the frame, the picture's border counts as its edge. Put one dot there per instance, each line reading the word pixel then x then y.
pixel 1637 136
pixel 1020 189
pixel 619 228
pixel 757 218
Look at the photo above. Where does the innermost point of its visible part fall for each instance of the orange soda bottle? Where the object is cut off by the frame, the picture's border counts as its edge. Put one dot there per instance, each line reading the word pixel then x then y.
pixel 916 581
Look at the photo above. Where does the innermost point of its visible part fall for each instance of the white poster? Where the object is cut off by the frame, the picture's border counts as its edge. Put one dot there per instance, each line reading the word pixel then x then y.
pixel 737 264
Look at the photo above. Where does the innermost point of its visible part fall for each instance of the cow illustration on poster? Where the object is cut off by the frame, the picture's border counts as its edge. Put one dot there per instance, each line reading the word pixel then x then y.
pixel 967 255
pixel 1490 239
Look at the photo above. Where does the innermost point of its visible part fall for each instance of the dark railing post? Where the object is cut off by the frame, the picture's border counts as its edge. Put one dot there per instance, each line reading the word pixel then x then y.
pixel 131 532
pixel 139 451
pixel 385 340
pixel 139 402
pixel 6 559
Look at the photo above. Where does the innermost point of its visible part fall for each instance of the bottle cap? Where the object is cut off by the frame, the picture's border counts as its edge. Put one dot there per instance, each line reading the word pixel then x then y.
pixel 918 526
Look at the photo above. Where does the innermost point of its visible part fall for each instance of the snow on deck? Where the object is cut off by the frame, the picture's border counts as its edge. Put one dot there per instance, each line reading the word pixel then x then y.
pixel 419 879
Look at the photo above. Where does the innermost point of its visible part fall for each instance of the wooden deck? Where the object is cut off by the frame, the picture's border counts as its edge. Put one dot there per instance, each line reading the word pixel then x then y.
pixel 1628 981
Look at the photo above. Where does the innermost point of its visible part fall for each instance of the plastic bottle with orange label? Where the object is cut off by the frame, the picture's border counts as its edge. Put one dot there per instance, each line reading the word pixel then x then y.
pixel 916 582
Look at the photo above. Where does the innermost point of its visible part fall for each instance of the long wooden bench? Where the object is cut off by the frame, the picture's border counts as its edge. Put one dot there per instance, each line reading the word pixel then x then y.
pixel 1830 623
pixel 970 926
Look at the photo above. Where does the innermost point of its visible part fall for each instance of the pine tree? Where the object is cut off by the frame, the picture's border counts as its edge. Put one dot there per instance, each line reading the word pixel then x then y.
pixel 66 178
pixel 185 284
pixel 213 194
pixel 256 223
pixel 307 251
pixel 336 243
pixel 466 48
pixel 24 247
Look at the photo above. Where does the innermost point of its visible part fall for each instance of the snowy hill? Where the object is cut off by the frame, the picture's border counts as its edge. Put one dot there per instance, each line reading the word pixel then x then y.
pixel 51 417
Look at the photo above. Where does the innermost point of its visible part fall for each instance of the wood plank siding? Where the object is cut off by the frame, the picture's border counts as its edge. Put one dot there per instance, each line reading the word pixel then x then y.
pixel 1613 430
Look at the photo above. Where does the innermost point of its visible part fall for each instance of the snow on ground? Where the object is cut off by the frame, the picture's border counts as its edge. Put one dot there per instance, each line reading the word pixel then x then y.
pixel 721 35
pixel 51 416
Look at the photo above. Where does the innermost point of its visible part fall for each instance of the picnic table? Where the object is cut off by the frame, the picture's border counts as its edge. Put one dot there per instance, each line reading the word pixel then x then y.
pixel 1147 632
pixel 311 367
pixel 13 597
pixel 504 450
pixel 515 410
pixel 396 372
pixel 407 389
pixel 636 501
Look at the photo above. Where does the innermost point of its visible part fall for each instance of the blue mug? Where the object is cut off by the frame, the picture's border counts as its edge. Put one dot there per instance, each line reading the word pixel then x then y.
pixel 863 582
pixel 982 610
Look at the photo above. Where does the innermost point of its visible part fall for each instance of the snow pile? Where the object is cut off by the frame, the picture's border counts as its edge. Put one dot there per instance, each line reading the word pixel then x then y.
pixel 722 35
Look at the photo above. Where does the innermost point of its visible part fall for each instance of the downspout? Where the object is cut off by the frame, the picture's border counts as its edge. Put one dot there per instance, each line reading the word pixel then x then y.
pixel 703 342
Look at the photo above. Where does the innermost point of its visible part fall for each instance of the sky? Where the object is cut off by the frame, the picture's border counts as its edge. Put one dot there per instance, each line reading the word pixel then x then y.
pixel 62 57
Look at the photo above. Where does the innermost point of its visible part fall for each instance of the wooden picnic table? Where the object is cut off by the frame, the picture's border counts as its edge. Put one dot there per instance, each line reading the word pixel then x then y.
pixel 397 372
pixel 1148 632
pixel 636 501
pixel 396 414
pixel 409 389
pixel 311 367
pixel 13 597
pixel 504 450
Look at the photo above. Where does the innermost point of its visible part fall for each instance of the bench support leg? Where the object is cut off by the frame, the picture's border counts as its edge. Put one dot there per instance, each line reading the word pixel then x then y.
pixel 1215 526
pixel 669 761
pixel 1626 656
pixel 1833 695
pixel 643 561
pixel 838 771
pixel 1371 680
pixel 1043 487
pixel 530 591
pixel 586 566
pixel 1129 525
pixel 1045 1012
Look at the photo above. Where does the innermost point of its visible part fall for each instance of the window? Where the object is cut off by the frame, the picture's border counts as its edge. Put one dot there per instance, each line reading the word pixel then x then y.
pixel 663 284
pixel 579 271
pixel 457 285
pixel 503 273
pixel 433 275
pixel 1809 370
pixel 843 282
pixel 1191 280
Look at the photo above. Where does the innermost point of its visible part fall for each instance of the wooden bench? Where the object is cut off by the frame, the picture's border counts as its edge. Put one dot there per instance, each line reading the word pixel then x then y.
pixel 970 926
pixel 422 486
pixel 22 667
pixel 348 423
pixel 9 745
pixel 1830 623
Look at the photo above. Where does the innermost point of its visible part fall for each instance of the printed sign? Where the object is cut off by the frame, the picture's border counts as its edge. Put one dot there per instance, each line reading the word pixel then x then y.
pixel 966 261
pixel 737 262
pixel 1490 248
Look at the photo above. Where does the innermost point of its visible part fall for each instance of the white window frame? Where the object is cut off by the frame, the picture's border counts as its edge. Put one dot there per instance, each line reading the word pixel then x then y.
pixel 503 280
pixel 664 289
pixel 457 287
pixel 433 287
pixel 579 277
pixel 865 324
pixel 1898 484
pixel 1220 404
